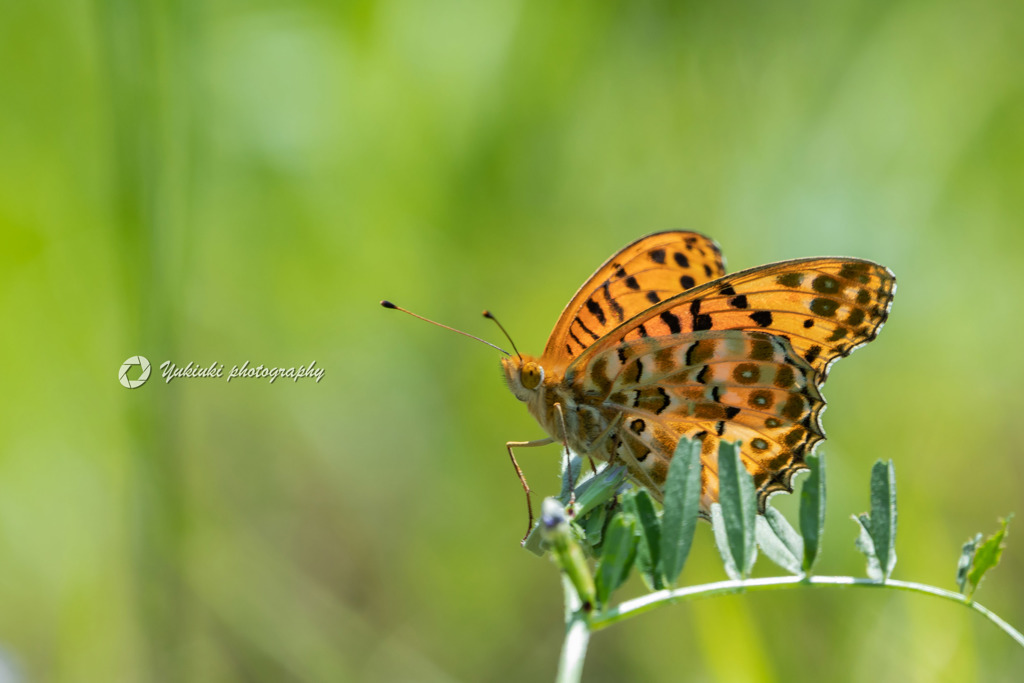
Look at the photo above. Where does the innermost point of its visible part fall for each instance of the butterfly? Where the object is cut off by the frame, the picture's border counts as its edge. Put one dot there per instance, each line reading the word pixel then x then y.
pixel 660 344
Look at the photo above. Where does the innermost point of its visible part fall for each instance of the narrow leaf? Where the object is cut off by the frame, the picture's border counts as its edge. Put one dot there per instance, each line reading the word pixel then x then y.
pixel 883 515
pixel 987 556
pixel 867 546
pixel 598 489
pixel 570 475
pixel 681 507
pixel 592 525
pixel 649 550
pixel 722 543
pixel 779 540
pixel 739 506
pixel 812 510
pixel 966 560
pixel 619 551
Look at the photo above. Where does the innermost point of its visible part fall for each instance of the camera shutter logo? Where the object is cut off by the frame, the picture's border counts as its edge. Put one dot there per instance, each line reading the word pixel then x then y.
pixel 128 365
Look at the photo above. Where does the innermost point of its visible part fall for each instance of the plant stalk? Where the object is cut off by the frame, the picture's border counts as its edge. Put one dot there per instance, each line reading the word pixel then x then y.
pixel 651 601
pixel 577 636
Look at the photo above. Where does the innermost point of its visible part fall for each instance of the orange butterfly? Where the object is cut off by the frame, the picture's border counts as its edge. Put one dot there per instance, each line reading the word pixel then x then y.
pixel 659 343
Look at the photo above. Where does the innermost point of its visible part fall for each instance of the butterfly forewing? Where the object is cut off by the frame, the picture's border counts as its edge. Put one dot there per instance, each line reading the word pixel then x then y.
pixel 825 307
pixel 652 269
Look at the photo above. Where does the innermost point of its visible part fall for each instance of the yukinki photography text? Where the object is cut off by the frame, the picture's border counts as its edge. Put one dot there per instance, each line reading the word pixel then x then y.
pixel 171 371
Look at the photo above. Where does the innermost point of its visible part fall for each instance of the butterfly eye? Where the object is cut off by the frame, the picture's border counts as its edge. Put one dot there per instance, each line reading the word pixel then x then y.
pixel 531 375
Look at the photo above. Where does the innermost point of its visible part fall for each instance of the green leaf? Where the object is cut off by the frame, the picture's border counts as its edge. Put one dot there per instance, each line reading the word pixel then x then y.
pixel 966 560
pixel 649 550
pixel 598 489
pixel 877 537
pixel 681 508
pixel 570 475
pixel 722 543
pixel 812 510
pixel 988 556
pixel 866 545
pixel 619 551
pixel 883 515
pixel 739 506
pixel 592 525
pixel 779 540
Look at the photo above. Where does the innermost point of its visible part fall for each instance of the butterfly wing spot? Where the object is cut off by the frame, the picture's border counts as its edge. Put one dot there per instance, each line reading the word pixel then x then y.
pixel 599 375
pixel 665 360
pixel 687 282
pixel 658 256
pixel 794 437
pixel 586 329
pixel 838 334
pixel 826 308
pixel 746 373
pixel 792 280
pixel 761 349
pixel 595 310
pixel 704 374
pixel 856 270
pixel 681 259
pixel 785 377
pixel 793 407
pixel 825 284
pixel 762 318
pixel 812 354
pixel 672 321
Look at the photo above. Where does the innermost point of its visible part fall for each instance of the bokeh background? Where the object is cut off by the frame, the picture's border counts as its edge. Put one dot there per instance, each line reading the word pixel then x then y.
pixel 230 181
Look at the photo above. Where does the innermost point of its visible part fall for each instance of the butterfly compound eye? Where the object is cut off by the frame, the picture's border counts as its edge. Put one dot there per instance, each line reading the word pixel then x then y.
pixel 531 375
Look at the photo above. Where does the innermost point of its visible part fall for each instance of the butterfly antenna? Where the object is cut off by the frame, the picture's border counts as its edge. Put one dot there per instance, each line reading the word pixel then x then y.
pixel 388 304
pixel 487 314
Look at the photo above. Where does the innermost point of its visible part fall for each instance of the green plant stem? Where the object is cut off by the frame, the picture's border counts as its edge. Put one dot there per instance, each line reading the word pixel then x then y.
pixel 651 601
pixel 577 636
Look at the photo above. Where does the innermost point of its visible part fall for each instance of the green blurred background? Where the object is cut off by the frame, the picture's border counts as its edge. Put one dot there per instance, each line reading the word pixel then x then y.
pixel 230 181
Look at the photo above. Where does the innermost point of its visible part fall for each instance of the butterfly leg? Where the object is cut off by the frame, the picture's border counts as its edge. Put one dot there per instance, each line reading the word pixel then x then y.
pixel 568 457
pixel 525 444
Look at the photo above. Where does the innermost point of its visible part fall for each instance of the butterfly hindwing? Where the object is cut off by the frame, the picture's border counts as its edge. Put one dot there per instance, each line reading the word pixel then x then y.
pixel 650 270
pixel 738 385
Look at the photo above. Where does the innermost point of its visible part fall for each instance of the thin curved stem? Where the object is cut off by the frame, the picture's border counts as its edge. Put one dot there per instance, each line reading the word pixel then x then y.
pixel 651 601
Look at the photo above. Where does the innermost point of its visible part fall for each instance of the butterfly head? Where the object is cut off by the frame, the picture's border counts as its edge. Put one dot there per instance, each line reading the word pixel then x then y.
pixel 524 375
